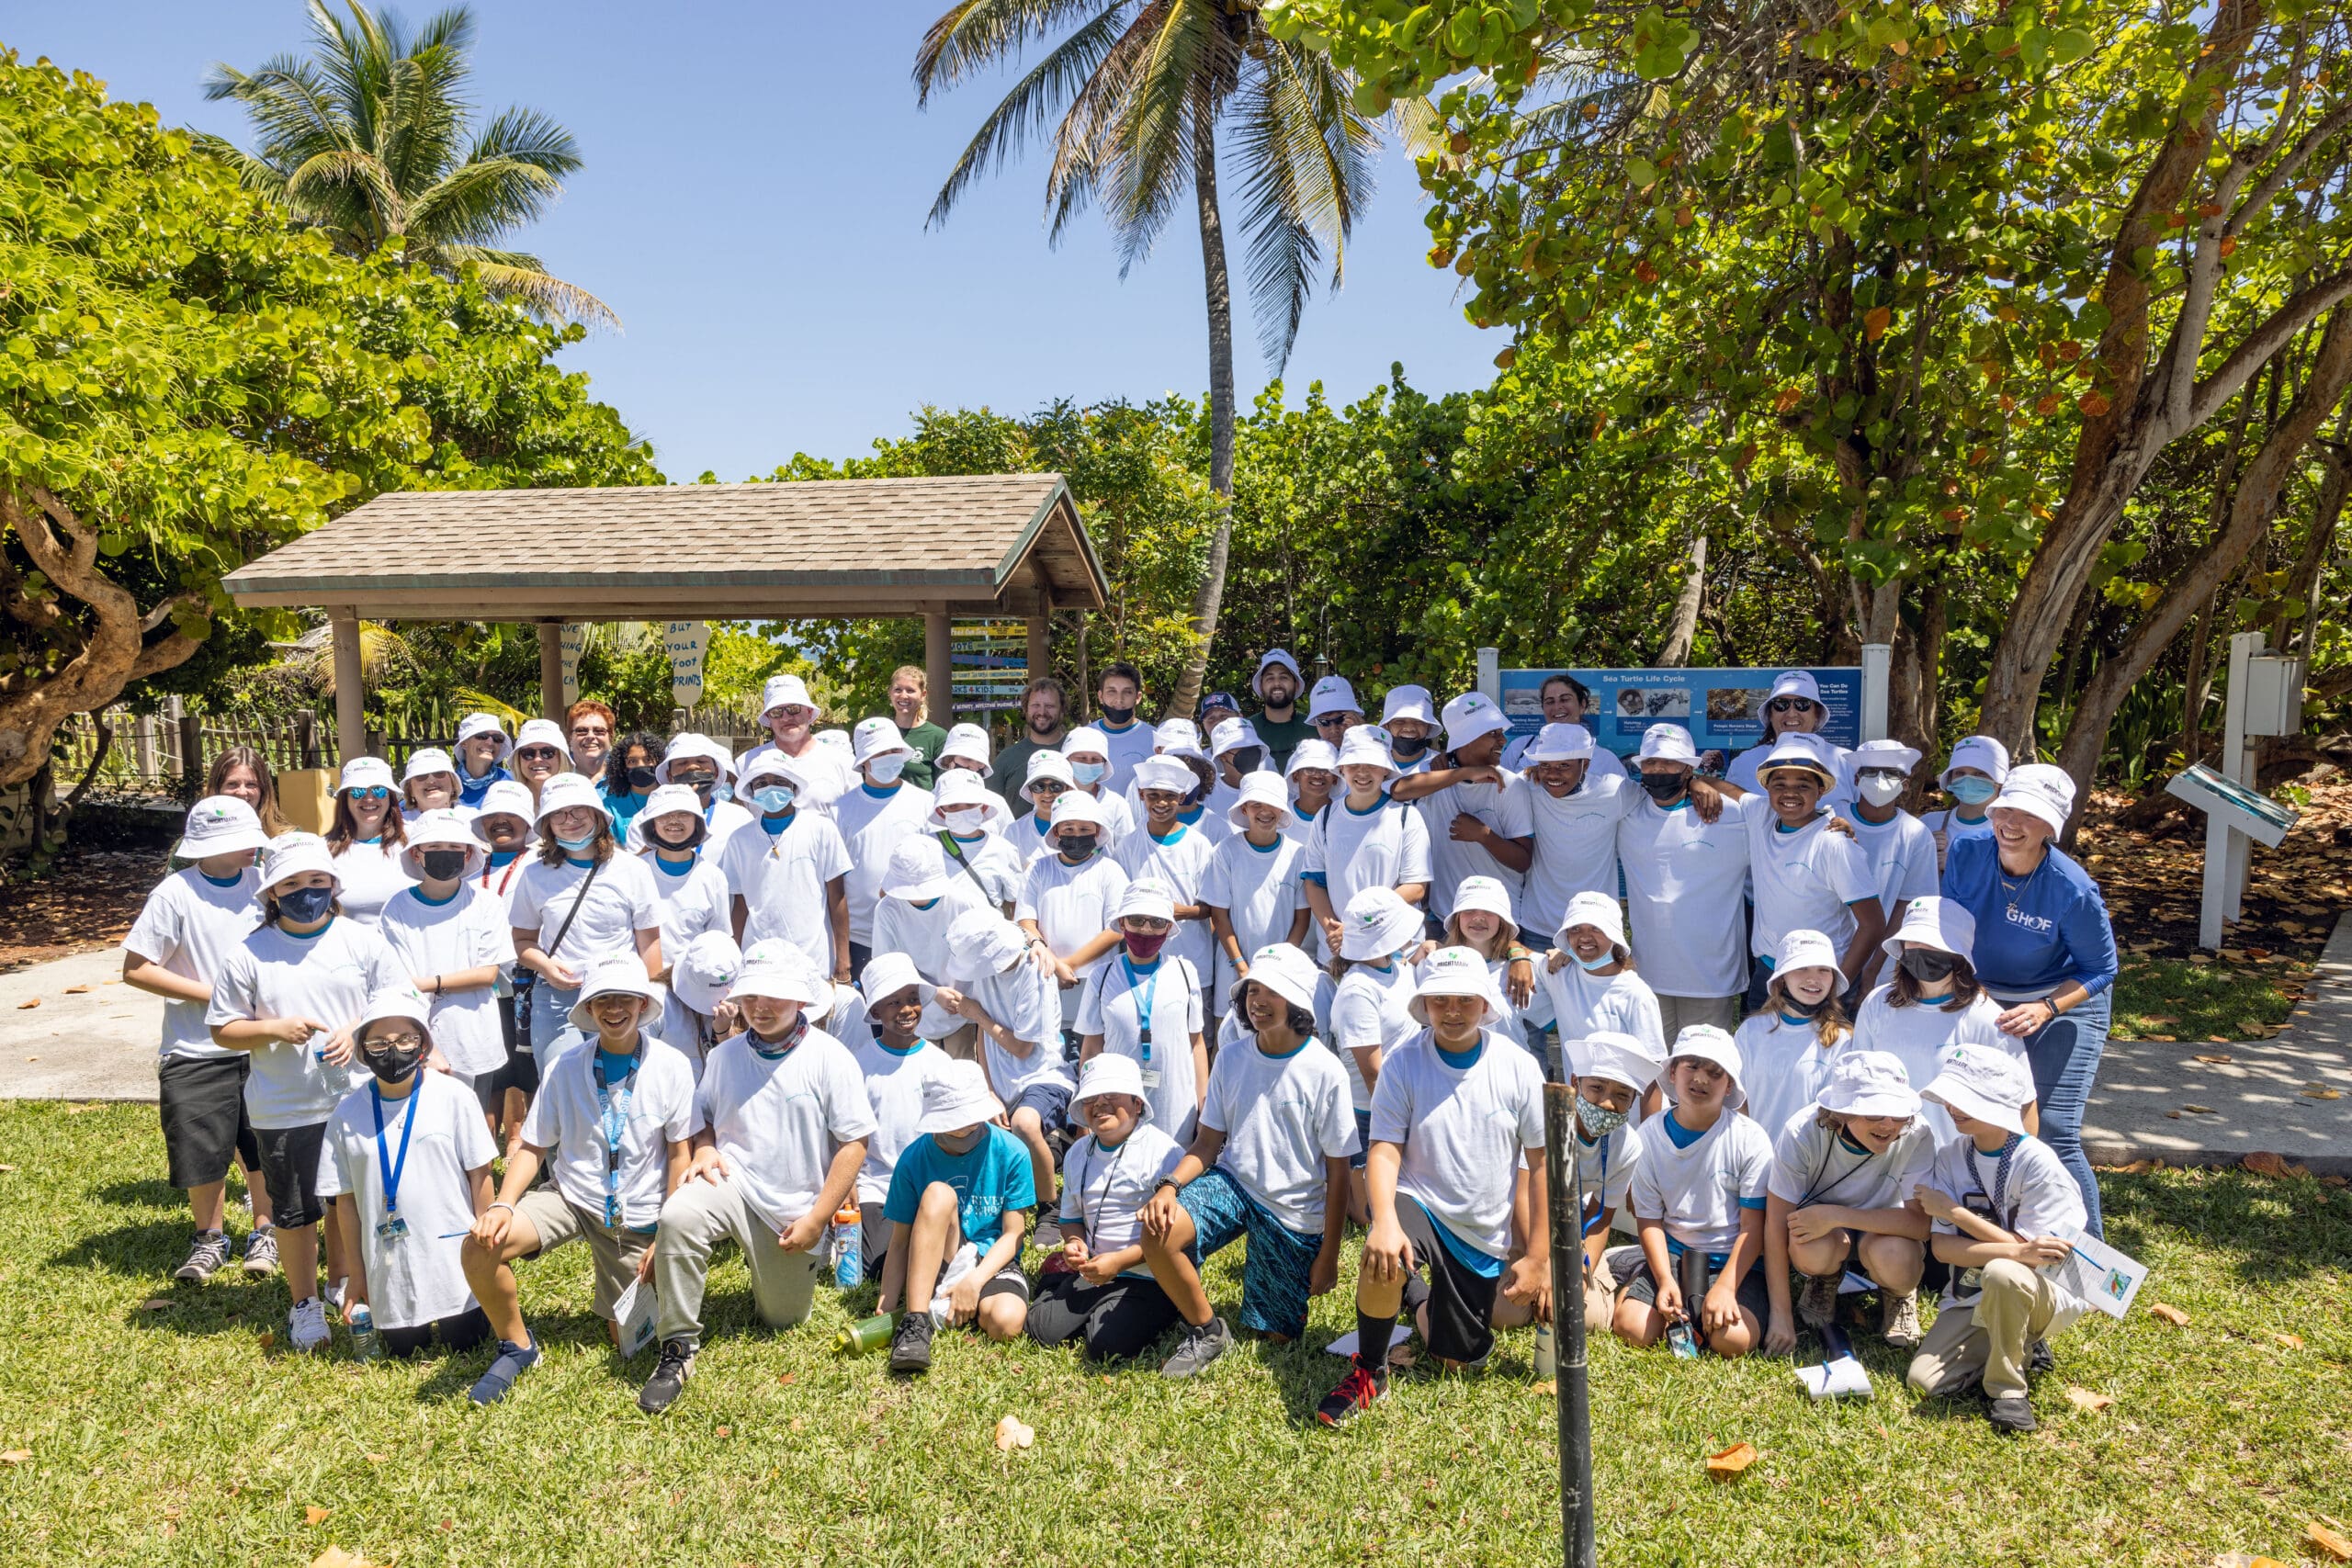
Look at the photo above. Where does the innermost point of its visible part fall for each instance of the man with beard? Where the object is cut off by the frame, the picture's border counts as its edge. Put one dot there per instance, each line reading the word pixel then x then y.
pixel 1044 725
pixel 1278 721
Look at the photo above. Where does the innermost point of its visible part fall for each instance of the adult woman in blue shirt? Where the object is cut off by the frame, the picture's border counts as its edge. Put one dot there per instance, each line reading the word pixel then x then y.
pixel 2045 951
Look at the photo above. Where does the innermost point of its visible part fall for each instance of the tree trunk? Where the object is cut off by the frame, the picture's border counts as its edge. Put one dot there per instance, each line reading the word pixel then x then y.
pixel 2192 689
pixel 2311 566
pixel 1934 623
pixel 2251 511
pixel 1220 302
pixel 1677 652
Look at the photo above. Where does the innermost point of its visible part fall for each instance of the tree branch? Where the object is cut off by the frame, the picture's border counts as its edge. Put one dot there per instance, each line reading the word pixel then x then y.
pixel 2265 341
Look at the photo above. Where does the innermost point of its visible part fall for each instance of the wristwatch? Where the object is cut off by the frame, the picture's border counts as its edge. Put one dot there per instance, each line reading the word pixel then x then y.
pixel 1168 1181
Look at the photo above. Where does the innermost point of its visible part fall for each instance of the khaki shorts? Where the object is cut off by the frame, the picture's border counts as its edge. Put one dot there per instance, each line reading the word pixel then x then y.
pixel 618 1250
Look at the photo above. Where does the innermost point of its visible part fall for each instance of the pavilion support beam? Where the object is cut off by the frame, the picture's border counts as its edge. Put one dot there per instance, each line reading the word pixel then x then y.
pixel 939 665
pixel 551 669
pixel 350 693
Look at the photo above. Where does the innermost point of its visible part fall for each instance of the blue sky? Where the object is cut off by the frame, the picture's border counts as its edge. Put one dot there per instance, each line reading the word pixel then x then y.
pixel 753 206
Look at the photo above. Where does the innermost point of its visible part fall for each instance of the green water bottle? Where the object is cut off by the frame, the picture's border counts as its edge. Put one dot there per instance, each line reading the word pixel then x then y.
pixel 866 1333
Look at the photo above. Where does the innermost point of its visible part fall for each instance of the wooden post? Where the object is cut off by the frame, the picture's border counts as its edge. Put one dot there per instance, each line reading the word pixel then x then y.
pixel 939 667
pixel 551 669
pixel 306 740
pixel 1082 699
pixel 350 695
pixel 1040 645
pixel 192 752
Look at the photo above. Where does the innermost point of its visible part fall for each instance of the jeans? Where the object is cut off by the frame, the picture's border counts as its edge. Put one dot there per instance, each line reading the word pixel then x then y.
pixel 2064 1053
pixel 550 1016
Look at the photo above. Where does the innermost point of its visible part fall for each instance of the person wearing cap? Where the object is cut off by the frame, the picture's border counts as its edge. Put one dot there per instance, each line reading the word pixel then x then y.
pixel 1372 1008
pixel 1934 1002
pixel 1456 1175
pixel 922 894
pixel 1069 900
pixel 1611 1072
pixel 705 766
pixel 1043 720
pixel 1700 1189
pixel 1364 839
pixel 579 904
pixel 452 940
pixel 611 1125
pixel 2045 950
pixel 1252 891
pixel 1682 850
pixel 958 1206
pixel 1792 707
pixel 1277 685
pixel 874 819
pixel 790 714
pixel 2005 1211
pixel 690 893
pixel 1573 809
pixel 1901 851
pixel 1408 718
pixel 1145 1002
pixel 503 825
pixel 1333 709
pixel 288 995
pixel 1564 700
pixel 1235 752
pixel 1807 876
pixel 1269 1162
pixel 1837 1199
pixel 590 737
pixel 896 1061
pixel 967 751
pixel 1790 1040
pixel 968 823
pixel 541 752
pixel 483 747
pixel 1170 851
pixel 1313 776
pixel 190 923
pixel 1590 983
pixel 1015 1007
pixel 784 1121
pixel 788 871
pixel 367 838
pixel 1097 1288
pixel 910 697
pixel 428 783
pixel 1127 740
pixel 406 1165
pixel 630 775
pixel 1979 767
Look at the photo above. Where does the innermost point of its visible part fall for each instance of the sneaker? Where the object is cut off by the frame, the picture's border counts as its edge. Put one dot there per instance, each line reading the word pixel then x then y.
pixel 1819 1304
pixel 306 1326
pixel 2011 1415
pixel 511 1362
pixel 1199 1347
pixel 2040 1358
pixel 1049 1236
pixel 669 1379
pixel 1898 1319
pixel 209 1253
pixel 911 1343
pixel 1352 1397
pixel 338 1294
pixel 261 1250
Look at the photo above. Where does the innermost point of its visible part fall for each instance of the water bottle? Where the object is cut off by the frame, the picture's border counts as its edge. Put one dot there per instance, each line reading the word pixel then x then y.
pixel 848 1239
pixel 866 1333
pixel 1547 1357
pixel 366 1343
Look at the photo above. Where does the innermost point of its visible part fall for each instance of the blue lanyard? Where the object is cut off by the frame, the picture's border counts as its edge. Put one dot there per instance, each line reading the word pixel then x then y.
pixel 393 1168
pixel 611 1121
pixel 1601 1199
pixel 1143 1013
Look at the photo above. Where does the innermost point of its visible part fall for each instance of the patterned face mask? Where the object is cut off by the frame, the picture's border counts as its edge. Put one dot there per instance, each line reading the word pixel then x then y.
pixel 1599 1120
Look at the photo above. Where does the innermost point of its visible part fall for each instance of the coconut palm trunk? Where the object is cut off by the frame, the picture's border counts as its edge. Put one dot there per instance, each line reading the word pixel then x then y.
pixel 1218 287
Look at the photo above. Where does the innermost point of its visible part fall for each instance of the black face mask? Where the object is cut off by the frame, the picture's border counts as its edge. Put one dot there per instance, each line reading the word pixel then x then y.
pixel 1247 758
pixel 1663 786
pixel 1928 964
pixel 443 865
pixel 642 779
pixel 1118 716
pixel 391 1066
pixel 699 783
pixel 1077 847
pixel 1408 745
pixel 1803 1010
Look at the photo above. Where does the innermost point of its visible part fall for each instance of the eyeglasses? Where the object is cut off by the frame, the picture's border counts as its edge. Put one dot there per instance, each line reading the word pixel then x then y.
pixel 1790 704
pixel 373 791
pixel 591 732
pixel 537 754
pixel 408 1040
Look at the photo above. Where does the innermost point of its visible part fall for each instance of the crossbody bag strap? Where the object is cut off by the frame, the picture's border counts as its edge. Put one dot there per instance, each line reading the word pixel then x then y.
pixel 565 930
pixel 956 852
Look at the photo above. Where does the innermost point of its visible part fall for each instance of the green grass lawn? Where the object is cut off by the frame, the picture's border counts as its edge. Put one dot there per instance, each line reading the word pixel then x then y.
pixel 174 1436
pixel 2173 999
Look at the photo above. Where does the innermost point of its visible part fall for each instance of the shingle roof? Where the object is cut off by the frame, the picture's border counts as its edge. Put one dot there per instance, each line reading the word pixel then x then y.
pixel 853 546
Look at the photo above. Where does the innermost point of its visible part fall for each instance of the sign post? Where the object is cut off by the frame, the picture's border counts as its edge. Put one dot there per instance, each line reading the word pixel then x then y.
pixel 685 642
pixel 2264 698
pixel 1570 1386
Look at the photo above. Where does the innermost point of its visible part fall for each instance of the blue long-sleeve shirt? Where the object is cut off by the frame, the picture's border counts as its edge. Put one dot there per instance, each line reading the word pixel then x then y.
pixel 2036 933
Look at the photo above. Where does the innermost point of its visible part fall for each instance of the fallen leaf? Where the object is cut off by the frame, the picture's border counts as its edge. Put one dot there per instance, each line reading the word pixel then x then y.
pixel 2292 1341
pixel 2200 1111
pixel 727 1431
pixel 1731 1462
pixel 264 1339
pixel 376 1459
pixel 2086 1399
pixel 2327 1541
pixel 79 1109
pixel 2242 1560
pixel 787 1379
pixel 155 1304
pixel 2319 1092
pixel 2172 1115
pixel 32 1059
pixel 798 1422
pixel 1011 1434
pixel 2171 1314
pixel 315 1514
pixel 75 991
pixel 2218 1058
pixel 33 1003
pixel 2262 1162
pixel 15 1455
pixel 336 1556
pixel 7 1167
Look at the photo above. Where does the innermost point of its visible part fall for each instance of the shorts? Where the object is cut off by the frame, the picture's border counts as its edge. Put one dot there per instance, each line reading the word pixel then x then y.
pixel 203 1107
pixel 1112 1322
pixel 1363 1140
pixel 520 1071
pixel 1281 1260
pixel 1008 1281
pixel 462 1331
pixel 618 1250
pixel 289 1167
pixel 1631 1265
pixel 1461 1300
pixel 1049 1098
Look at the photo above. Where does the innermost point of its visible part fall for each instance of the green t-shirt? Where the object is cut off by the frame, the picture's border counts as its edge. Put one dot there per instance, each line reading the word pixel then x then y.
pixel 1012 771
pixel 1282 739
pixel 926 738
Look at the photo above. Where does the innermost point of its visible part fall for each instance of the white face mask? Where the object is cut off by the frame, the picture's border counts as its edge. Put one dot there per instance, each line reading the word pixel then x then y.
pixel 885 768
pixel 1879 790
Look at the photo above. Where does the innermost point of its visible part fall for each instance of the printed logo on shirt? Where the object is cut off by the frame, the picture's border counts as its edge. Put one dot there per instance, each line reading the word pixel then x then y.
pixel 2042 923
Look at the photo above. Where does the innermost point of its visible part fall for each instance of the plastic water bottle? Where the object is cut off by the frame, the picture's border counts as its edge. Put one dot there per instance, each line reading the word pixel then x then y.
pixel 849 1241
pixel 366 1343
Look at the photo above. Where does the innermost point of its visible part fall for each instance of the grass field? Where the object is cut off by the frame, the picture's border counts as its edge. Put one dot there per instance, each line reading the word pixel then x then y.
pixel 174 1435
pixel 2174 999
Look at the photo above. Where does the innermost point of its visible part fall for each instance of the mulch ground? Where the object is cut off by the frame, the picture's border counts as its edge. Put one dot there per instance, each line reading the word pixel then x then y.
pixel 87 900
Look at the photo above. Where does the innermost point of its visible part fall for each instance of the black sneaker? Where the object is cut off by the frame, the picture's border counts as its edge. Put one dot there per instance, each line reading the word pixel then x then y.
pixel 911 1343
pixel 1199 1347
pixel 2038 1360
pixel 209 1255
pixel 2012 1415
pixel 669 1379
pixel 1354 1396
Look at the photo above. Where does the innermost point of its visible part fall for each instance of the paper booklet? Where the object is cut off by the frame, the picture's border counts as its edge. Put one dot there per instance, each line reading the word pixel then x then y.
pixel 635 1312
pixel 2100 1275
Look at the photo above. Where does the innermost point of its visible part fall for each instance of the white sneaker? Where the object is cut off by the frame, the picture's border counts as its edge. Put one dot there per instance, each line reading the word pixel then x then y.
pixel 337 1293
pixel 306 1326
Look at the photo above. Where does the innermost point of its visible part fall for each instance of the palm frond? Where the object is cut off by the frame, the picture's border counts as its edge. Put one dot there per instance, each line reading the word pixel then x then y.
pixel 479 201
pixel 511 274
pixel 1085 141
pixel 261 178
pixel 1047 91
pixel 976 34
pixel 1190 67
pixel 1307 157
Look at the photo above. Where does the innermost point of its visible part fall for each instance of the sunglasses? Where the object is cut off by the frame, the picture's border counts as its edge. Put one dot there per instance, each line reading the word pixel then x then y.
pixel 1048 786
pixel 1790 704
pixel 373 791
pixel 537 754
pixel 1332 721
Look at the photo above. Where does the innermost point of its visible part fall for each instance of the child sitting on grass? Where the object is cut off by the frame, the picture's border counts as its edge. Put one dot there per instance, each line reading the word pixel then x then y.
pixel 1611 1074
pixel 959 1203
pixel 1097 1286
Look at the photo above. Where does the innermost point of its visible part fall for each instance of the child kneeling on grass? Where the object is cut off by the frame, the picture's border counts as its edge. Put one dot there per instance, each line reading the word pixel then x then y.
pixel 611 1124
pixel 1270 1162
pixel 1097 1286
pixel 1700 1189
pixel 959 1203
pixel 407 1166
pixel 1611 1072
pixel 2005 1210
pixel 1834 1200
pixel 1459 1109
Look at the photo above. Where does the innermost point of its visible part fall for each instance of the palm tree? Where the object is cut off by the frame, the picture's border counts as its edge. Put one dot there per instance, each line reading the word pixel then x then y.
pixel 369 138
pixel 1139 90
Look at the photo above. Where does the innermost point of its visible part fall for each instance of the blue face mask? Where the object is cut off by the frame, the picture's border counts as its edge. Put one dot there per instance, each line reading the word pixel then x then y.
pixel 1594 966
pixel 573 846
pixel 772 799
pixel 886 769
pixel 1089 772
pixel 1971 791
pixel 303 904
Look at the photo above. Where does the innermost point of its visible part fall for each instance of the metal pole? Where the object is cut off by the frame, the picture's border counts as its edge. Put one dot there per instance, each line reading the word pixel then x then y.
pixel 1566 1222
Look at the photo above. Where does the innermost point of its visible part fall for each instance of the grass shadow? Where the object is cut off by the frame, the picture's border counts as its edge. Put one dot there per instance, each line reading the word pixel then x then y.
pixel 2269 1232
pixel 149 1194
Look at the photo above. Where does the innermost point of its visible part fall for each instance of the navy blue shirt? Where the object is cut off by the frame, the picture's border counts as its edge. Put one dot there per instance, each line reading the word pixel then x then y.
pixel 2036 933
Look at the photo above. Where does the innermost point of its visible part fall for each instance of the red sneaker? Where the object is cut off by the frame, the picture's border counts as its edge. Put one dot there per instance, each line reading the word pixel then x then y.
pixel 1352 1397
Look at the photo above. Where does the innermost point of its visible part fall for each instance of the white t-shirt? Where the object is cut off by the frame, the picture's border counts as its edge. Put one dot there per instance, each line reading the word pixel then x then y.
pixel 1901 855
pixel 1024 999
pixel 2034 1196
pixel 1181 861
pixel 1123 749
pixel 500 881
pixel 688 900
pixel 1503 807
pixel 1576 847
pixel 1784 1065
pixel 1371 1008
pixel 1683 880
pixel 413 1279
pixel 1283 1117
pixel 1464 1130
pixel 1606 1168
pixel 1698 1192
pixel 1742 771
pixel 1922 1033
pixel 872 824
pixel 1351 851
pixel 1954 827
pixel 922 934
pixel 1807 880
pixel 188 926
pixel 725 819
pixel 618 905
pixel 1814 1164
pixel 567 1120
pixel 1104 1190
pixel 1112 1007
pixel 778 1124
pixel 894 1081
pixel 781 877
pixel 1072 904
pixel 1583 1004
pixel 827 774
pixel 996 865
pixel 327 977
pixel 1260 891
pixel 368 874
pixel 1605 763
pixel 465 932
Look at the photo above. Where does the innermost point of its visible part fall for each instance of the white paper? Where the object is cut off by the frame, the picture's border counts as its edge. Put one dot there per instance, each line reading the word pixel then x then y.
pixel 2101 1275
pixel 1842 1379
pixel 1345 1345
pixel 636 1313
pixel 1855 1284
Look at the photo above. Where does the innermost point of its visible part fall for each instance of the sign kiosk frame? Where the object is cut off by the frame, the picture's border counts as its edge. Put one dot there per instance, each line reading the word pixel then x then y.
pixel 1723 708
pixel 2264 698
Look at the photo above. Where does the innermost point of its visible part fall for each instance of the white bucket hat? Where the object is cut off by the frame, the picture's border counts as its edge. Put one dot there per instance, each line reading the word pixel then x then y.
pixel 1560 744
pixel 1174 736
pixel 1469 717
pixel 666 800
pixel 961 787
pixel 1488 894
pixel 1882 753
pixel 1619 1058
pixel 887 974
pixel 220 825
pixel 446 829
pixel 966 741
pixel 1454 972
pixel 1801 751
pixel 1260 788
pixel 1266 662
pixel 475 724
pixel 778 979
pixel 1981 753
pixel 1111 1072
pixel 367 772
pixel 1150 898
pixel 982 944
pixel 425 761
pixel 1367 745
pixel 1286 971
pixel 701 974
pixel 1164 772
pixel 873 737
pixel 507 798
pixel 1376 923
pixel 2040 790
pixel 388 1002
pixel 543 732
pixel 957 1096
pixel 1931 920
pixel 1979 1081
pixel 291 854
pixel 917 870
pixel 624 976
pixel 1796 683
pixel 1087 741
pixel 1232 736
pixel 1600 911
pixel 840 740
pixel 1804 950
pixel 1705 1042
pixel 1047 765
pixel 689 744
pixel 1668 743
pixel 1078 809
pixel 1868 1083
pixel 785 690
pixel 1332 693
pixel 767 762
pixel 1318 754
pixel 566 790
pixel 1408 702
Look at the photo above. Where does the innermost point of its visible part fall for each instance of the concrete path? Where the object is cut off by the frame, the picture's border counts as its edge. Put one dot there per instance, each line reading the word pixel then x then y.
pixel 91 1038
